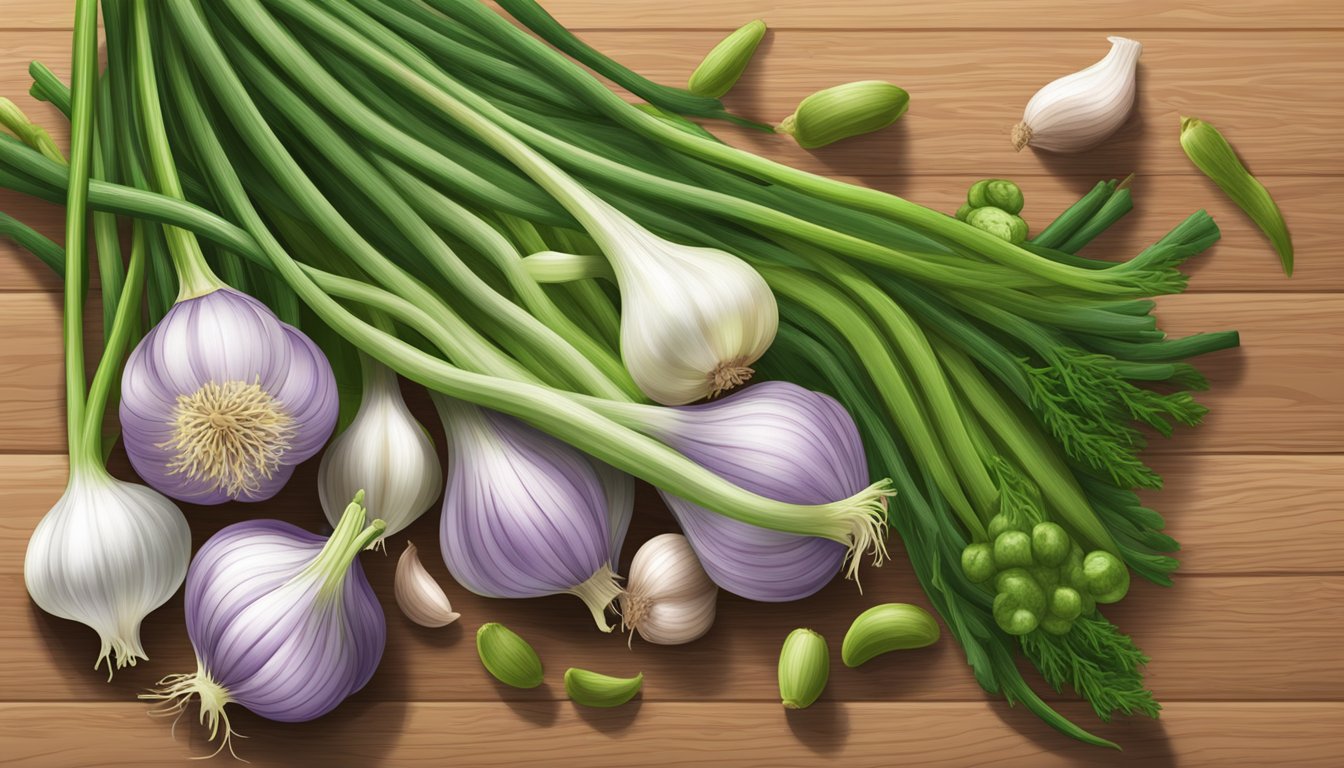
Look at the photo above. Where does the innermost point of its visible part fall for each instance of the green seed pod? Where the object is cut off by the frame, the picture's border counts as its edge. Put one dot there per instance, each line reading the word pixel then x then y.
pixel 1066 603
pixel 997 193
pixel 1013 617
pixel 1012 548
pixel 507 656
pixel 1050 544
pixel 964 211
pixel 804 668
pixel 1000 523
pixel 1019 584
pixel 1107 578
pixel 595 690
pixel 1056 625
pixel 888 627
pixel 999 223
pixel 977 562
pixel 842 111
pixel 726 62
pixel 1212 154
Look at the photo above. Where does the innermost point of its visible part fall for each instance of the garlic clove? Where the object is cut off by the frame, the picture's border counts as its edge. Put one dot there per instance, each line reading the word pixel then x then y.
pixel 1079 111
pixel 669 599
pixel 418 595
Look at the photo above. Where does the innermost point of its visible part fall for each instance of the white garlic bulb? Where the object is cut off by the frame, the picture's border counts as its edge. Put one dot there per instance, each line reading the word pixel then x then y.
pixel 1078 111
pixel 107 554
pixel 693 320
pixel 418 595
pixel 668 599
pixel 386 453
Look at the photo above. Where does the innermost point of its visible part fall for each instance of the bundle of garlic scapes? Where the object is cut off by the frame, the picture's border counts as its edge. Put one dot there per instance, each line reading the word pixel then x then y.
pixel 998 384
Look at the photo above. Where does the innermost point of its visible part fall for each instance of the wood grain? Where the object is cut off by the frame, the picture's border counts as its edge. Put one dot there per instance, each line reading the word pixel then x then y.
pixel 1241 261
pixel 1280 633
pixel 1101 15
pixel 855 735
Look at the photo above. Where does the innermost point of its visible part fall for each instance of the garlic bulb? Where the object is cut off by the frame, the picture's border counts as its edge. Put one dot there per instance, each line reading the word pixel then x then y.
pixel 1078 111
pixel 669 599
pixel 693 320
pixel 385 452
pixel 107 554
pixel 418 595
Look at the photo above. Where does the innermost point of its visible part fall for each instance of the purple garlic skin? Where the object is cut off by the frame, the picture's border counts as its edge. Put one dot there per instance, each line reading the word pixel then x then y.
pixel 221 400
pixel 783 442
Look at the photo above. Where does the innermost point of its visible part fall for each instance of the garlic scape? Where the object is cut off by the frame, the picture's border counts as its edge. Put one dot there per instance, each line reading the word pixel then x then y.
pixel 283 622
pixel 385 452
pixel 668 599
pixel 1079 111
pixel 525 515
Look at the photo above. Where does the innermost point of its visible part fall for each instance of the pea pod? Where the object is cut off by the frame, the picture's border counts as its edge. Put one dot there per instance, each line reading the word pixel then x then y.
pixel 1213 155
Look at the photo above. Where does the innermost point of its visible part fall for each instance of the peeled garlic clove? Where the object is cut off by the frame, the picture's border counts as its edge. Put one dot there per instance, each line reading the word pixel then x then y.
pixel 804 668
pixel 508 657
pixel 843 111
pixel 723 65
pixel 419 596
pixel 592 689
pixel 1078 111
pixel 888 627
pixel 668 599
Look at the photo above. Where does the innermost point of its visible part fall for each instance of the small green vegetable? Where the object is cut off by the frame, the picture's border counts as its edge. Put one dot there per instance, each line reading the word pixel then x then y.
pixel 1018 583
pixel 1012 548
pixel 1050 544
pixel 887 627
pixel 592 689
pixel 842 111
pixel 1000 523
pixel 725 62
pixel 977 562
pixel 964 211
pixel 1000 223
pixel 804 668
pixel 1107 578
pixel 1056 625
pixel 1066 603
pixel 1046 578
pixel 996 193
pixel 1212 154
pixel 507 656
pixel 1012 616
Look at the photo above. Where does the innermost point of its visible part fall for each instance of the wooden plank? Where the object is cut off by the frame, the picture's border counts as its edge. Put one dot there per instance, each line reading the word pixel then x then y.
pixel 1241 261
pixel 1242 735
pixel 1278 632
pixel 968 89
pixel 1279 393
pixel 1102 15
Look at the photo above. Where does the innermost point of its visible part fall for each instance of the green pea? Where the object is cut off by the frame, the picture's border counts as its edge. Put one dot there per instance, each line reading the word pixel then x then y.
pixel 975 196
pixel 964 211
pixel 1012 548
pixel 1107 578
pixel 999 223
pixel 1012 617
pixel 1046 577
pixel 1056 626
pixel 1000 523
pixel 1066 603
pixel 977 562
pixel 1050 544
pixel 1018 583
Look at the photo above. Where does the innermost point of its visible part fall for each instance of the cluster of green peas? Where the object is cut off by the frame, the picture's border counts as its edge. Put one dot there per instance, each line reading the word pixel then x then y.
pixel 1041 577
pixel 993 205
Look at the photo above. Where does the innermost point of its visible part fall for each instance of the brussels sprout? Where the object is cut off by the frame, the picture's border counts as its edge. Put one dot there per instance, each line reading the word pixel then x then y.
pixel 999 223
pixel 1056 626
pixel 999 193
pixel 1107 578
pixel 964 211
pixel 1046 578
pixel 1018 583
pixel 1066 603
pixel 977 562
pixel 1000 523
pixel 1050 544
pixel 1012 617
pixel 1012 548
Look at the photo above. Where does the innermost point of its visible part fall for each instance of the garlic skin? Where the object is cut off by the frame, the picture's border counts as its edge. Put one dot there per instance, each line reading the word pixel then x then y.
pixel 418 595
pixel 668 598
pixel 1079 111
pixel 693 320
pixel 386 453
pixel 106 555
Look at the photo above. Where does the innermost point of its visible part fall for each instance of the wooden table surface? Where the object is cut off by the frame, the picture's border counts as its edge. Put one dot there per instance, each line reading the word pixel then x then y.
pixel 1246 647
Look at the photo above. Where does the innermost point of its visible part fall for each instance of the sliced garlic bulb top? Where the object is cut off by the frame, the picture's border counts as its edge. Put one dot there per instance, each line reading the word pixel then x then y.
pixel 1079 111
